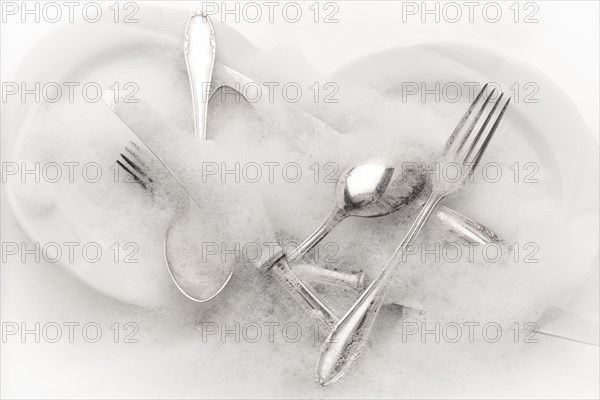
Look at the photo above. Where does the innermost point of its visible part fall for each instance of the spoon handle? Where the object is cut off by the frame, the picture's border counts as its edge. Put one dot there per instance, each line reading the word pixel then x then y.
pixel 334 218
pixel 349 336
pixel 199 48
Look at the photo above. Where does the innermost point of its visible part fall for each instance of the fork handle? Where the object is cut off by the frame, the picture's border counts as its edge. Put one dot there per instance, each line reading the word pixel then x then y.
pixel 349 336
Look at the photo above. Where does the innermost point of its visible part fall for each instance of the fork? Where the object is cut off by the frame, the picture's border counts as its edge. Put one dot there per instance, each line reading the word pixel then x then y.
pixel 349 336
pixel 134 165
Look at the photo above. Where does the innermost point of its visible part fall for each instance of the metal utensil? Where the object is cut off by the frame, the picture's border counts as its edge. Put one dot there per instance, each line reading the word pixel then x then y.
pixel 199 49
pixel 368 190
pixel 350 334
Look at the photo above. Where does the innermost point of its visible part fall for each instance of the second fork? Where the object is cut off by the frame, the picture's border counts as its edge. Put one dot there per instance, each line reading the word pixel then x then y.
pixel 350 334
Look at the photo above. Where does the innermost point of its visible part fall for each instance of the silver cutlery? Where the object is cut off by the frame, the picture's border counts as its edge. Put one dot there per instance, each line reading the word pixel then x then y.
pixel 455 220
pixel 139 167
pixel 199 48
pixel 350 334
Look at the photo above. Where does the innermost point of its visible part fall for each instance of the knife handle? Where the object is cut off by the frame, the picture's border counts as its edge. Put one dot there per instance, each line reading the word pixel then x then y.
pixel 304 295
pixel 199 48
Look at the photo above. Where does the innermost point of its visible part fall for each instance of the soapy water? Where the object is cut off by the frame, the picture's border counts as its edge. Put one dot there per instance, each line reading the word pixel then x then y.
pixel 516 288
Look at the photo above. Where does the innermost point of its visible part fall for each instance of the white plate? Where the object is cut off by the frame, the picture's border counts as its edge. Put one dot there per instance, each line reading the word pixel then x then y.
pixel 552 126
pixel 53 60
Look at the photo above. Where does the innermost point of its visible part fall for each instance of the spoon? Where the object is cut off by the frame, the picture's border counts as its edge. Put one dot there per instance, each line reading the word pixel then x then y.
pixel 367 190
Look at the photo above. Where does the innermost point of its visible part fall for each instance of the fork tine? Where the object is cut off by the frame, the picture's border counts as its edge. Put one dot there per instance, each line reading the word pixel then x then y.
pixel 463 120
pixel 482 129
pixel 136 156
pixel 134 168
pixel 467 134
pixel 488 138
pixel 133 174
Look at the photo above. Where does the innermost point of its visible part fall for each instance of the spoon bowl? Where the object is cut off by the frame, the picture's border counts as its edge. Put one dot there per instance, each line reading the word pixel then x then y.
pixel 374 190
pixel 367 190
